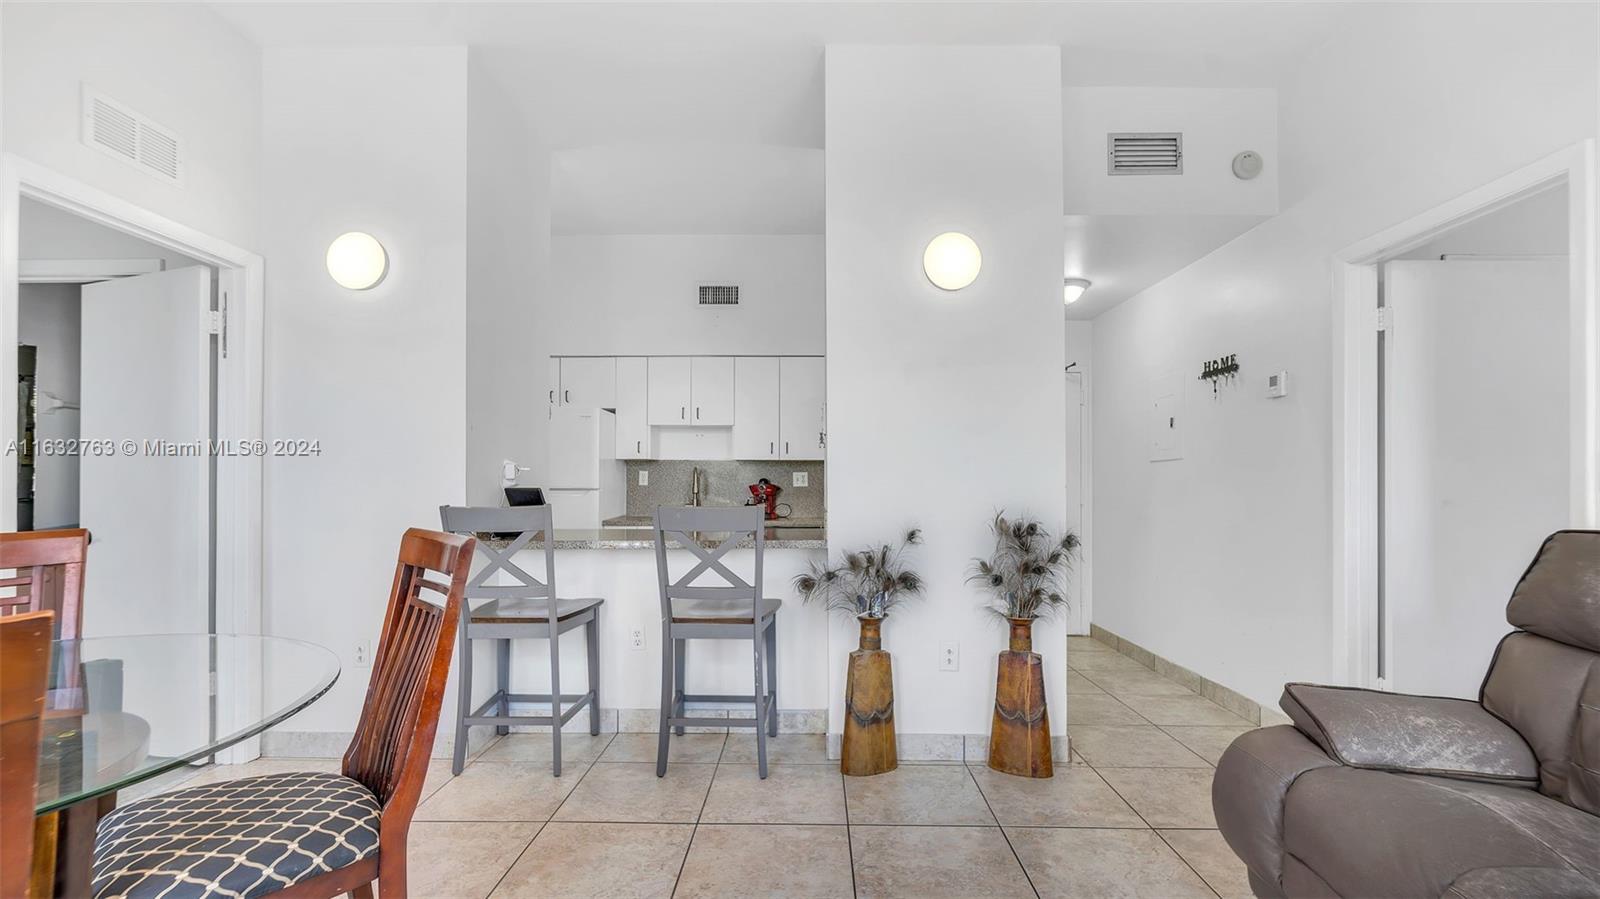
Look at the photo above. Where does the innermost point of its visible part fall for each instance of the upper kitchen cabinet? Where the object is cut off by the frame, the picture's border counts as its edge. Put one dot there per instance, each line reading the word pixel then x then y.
pixel 756 427
pixel 633 416
pixel 588 382
pixel 802 407
pixel 670 392
pixel 711 381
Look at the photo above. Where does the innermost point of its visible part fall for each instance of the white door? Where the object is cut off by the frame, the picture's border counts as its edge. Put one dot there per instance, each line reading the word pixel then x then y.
pixel 1077 453
pixel 145 481
pixel 712 377
pixel 803 407
pixel 633 418
pixel 1476 469
pixel 755 407
pixel 669 390
pixel 589 382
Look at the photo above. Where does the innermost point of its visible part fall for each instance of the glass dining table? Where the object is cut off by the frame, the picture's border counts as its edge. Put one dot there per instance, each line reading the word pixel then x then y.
pixel 121 710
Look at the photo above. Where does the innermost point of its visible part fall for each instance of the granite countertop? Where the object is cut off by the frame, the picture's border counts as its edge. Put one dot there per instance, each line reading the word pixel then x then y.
pixel 645 521
pixel 639 538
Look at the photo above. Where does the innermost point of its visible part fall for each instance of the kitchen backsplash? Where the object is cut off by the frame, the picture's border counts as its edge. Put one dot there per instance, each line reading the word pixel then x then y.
pixel 723 483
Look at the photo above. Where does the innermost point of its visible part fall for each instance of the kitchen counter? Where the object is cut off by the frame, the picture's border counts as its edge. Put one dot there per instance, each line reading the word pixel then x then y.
pixel 643 538
pixel 645 521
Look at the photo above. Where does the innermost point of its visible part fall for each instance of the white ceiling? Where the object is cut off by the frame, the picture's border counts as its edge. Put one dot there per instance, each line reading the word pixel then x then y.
pixel 707 117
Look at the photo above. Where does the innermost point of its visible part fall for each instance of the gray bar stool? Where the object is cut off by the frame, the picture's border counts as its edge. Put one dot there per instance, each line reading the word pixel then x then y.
pixel 731 610
pixel 527 608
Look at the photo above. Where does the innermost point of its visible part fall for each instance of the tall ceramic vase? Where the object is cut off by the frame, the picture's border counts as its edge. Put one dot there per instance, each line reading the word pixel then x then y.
pixel 869 746
pixel 1019 739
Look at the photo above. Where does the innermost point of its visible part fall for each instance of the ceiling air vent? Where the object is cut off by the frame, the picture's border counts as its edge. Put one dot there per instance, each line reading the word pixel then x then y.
pixel 719 294
pixel 116 130
pixel 1144 153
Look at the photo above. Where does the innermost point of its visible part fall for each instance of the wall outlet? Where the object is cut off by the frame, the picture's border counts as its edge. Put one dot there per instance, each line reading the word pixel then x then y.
pixel 802 479
pixel 636 639
pixel 361 656
pixel 644 477
pixel 949 656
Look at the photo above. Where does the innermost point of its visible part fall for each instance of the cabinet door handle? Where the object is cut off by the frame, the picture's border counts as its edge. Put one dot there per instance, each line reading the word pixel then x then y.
pixel 786 447
pixel 552 396
pixel 772 448
pixel 696 413
pixel 683 412
pixel 638 447
pixel 566 396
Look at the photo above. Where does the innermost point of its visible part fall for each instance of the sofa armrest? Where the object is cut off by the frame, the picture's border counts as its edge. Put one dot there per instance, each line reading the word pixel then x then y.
pixel 1411 734
pixel 1248 793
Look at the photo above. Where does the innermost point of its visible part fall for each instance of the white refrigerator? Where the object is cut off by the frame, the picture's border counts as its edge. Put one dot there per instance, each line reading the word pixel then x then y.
pixel 587 481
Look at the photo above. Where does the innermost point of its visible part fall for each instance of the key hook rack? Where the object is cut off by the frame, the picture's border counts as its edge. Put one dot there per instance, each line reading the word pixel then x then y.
pixel 1219 369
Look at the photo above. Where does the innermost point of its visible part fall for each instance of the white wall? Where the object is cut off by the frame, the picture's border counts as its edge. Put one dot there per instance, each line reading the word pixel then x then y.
pixel 637 294
pixel 508 277
pixel 1221 561
pixel 179 64
pixel 50 317
pixel 958 394
pixel 375 140
pixel 1216 124
pixel 1080 468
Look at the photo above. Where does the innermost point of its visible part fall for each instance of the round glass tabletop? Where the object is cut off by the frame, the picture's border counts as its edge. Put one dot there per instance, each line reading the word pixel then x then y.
pixel 124 709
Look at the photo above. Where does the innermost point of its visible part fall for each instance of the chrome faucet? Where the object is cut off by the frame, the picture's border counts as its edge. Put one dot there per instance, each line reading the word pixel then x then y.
pixel 694 491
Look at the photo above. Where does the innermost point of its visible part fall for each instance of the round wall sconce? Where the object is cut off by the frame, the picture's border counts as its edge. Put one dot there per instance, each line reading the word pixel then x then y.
pixel 1072 289
pixel 357 261
pixel 952 260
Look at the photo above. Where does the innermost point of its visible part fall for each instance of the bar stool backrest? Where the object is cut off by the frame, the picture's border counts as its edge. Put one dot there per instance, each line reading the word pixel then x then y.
pixel 529 523
pixel 687 526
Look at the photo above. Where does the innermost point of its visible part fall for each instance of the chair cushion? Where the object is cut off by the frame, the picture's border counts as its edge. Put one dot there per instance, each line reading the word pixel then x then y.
pixel 528 611
pixel 719 611
pixel 239 838
pixel 1374 833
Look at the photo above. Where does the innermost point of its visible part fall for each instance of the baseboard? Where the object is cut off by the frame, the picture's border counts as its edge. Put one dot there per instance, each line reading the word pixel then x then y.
pixel 1232 700
pixel 954 749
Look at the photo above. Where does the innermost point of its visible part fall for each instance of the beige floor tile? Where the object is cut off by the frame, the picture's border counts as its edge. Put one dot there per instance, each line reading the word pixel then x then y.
pixel 631 791
pixel 1208 853
pixel 791 794
pixel 1086 644
pixel 1138 683
pixel 1207 740
pixel 1116 864
pixel 917 794
pixel 935 863
pixel 1092 663
pixel 575 748
pixel 439 774
pixel 785 749
pixel 599 860
pixel 1077 683
pixel 693 748
pixel 1075 797
pixel 500 791
pixel 1165 797
pixel 462 860
pixel 1131 746
pixel 1189 709
pixel 1092 709
pixel 811 862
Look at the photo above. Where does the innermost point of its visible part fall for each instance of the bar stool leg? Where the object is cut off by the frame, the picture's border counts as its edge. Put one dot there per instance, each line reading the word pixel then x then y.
pixel 680 664
pixel 503 668
pixel 555 704
pixel 772 677
pixel 665 718
pixel 463 700
pixel 760 692
pixel 593 629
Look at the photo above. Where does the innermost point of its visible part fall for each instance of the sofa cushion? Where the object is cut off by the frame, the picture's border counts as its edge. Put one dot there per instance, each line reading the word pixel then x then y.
pixel 1550 692
pixel 1559 595
pixel 1374 833
pixel 1414 734
pixel 240 838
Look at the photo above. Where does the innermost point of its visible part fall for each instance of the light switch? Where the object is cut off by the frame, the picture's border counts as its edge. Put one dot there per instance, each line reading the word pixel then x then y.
pixel 644 477
pixel 802 479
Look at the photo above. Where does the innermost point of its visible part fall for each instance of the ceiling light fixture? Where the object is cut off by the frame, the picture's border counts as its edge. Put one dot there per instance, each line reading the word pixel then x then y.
pixel 1072 289
pixel 952 260
pixel 357 261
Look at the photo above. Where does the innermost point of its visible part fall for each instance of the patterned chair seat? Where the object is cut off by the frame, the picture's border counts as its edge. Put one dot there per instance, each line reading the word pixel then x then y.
pixel 236 839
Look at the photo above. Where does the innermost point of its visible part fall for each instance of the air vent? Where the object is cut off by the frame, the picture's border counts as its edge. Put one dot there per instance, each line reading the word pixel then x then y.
pixel 1144 153
pixel 116 130
pixel 719 294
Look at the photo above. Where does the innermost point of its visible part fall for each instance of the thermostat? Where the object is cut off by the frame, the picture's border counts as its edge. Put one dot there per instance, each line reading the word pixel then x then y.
pixel 1278 384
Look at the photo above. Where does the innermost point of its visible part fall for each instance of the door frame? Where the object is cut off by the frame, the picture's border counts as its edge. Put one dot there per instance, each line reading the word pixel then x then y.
pixel 1355 378
pixel 240 379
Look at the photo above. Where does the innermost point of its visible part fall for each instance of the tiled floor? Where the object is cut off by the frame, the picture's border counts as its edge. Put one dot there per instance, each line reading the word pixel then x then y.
pixel 1129 816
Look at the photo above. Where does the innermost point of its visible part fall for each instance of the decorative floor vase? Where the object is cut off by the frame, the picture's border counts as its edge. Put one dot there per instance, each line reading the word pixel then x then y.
pixel 869 746
pixel 1019 740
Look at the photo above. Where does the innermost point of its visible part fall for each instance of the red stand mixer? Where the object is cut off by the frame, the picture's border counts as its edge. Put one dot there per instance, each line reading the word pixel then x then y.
pixel 764 492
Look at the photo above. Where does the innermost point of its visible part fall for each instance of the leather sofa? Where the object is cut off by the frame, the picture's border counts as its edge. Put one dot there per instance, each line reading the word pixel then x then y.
pixel 1373 794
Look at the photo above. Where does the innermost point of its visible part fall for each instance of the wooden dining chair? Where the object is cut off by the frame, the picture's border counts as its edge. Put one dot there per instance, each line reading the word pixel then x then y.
pixel 24 673
pixel 313 834
pixel 48 576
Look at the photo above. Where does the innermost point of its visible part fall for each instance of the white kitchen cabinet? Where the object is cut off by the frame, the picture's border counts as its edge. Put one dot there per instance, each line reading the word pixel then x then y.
pixel 802 407
pixel 756 426
pixel 670 391
pixel 588 382
pixel 633 416
pixel 711 378
pixel 555 381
